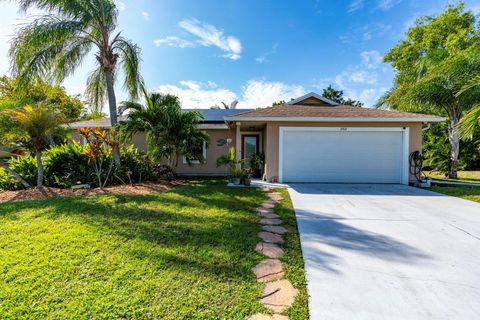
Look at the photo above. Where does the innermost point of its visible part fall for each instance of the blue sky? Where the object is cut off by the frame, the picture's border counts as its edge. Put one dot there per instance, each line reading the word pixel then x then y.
pixel 257 51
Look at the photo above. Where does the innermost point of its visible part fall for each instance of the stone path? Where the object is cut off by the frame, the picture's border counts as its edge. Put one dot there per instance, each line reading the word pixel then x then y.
pixel 278 294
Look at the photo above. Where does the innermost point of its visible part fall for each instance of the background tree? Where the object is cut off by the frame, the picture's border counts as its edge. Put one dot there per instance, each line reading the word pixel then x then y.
pixel 55 44
pixel 433 64
pixel 12 97
pixel 337 96
pixel 32 127
pixel 170 132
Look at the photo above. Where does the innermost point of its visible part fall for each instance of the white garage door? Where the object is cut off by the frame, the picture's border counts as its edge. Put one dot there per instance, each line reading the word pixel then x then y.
pixel 343 155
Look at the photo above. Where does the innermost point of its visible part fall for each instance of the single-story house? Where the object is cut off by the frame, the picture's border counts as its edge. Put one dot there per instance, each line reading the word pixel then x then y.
pixel 310 139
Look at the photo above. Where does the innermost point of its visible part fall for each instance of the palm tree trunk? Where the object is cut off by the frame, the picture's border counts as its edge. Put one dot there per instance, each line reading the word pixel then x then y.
pixel 112 104
pixel 38 155
pixel 14 174
pixel 454 139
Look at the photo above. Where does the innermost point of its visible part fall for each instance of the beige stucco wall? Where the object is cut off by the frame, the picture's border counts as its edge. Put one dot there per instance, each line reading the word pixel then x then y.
pixel 213 152
pixel 272 138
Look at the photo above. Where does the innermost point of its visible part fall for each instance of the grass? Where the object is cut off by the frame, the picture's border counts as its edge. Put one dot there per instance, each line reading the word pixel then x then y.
pixel 184 254
pixel 467 193
pixel 463 176
pixel 293 260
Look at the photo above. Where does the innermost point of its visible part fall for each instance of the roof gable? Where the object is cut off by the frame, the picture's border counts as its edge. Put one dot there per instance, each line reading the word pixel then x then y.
pixel 313 99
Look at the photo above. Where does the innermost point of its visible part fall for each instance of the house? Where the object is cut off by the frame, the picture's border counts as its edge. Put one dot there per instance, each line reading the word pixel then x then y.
pixel 311 139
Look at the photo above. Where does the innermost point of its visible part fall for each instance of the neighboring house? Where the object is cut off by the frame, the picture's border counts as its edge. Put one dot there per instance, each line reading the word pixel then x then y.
pixel 311 139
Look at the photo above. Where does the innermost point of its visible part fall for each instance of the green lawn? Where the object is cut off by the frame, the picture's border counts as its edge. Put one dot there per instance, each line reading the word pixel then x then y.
pixel 468 193
pixel 184 254
pixel 463 176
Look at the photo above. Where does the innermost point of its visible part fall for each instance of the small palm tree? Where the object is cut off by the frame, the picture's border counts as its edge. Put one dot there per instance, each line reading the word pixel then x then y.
pixel 471 121
pixel 32 127
pixel 170 132
pixel 55 44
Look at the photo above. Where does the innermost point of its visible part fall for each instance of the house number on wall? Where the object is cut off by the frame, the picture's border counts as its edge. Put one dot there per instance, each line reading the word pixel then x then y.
pixel 343 129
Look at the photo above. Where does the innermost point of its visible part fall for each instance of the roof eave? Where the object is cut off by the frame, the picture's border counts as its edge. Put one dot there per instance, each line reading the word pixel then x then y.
pixel 337 119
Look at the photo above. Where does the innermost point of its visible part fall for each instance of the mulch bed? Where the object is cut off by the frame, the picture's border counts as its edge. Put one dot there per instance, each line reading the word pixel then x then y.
pixel 47 192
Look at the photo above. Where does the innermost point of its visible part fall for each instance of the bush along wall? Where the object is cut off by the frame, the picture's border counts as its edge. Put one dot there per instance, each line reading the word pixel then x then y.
pixel 67 165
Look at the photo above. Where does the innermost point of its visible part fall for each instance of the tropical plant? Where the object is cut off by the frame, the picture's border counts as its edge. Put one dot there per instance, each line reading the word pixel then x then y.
pixel 18 169
pixel 433 64
pixel 170 132
pixel 99 150
pixel 13 96
pixel 34 128
pixel 56 43
pixel 471 121
pixel 67 165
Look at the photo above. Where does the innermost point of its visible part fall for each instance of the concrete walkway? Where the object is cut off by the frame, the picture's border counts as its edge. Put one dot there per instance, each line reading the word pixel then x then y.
pixel 388 252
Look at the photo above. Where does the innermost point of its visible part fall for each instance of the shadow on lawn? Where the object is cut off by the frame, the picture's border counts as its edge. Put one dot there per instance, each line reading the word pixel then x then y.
pixel 203 227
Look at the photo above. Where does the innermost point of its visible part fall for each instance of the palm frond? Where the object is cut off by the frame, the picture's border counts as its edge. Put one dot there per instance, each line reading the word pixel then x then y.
pixel 96 90
pixel 468 124
pixel 130 60
pixel 38 45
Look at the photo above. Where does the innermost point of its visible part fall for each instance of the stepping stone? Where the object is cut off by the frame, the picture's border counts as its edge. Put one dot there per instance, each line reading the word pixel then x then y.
pixel 279 295
pixel 275 197
pixel 270 237
pixel 268 215
pixel 260 316
pixel 269 249
pixel 268 270
pixel 275 229
pixel 267 205
pixel 271 222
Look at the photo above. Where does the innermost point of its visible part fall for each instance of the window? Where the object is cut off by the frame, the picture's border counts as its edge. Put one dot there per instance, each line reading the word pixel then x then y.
pixel 202 151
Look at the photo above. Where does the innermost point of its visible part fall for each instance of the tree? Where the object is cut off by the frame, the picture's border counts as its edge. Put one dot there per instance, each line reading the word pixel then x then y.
pixel 12 96
pixel 170 132
pixel 433 64
pixel 337 96
pixel 32 127
pixel 55 44
pixel 468 125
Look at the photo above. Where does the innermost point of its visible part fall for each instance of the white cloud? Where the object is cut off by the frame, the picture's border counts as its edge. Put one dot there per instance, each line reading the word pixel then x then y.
pixel 383 5
pixel 366 33
pixel 371 59
pixel 194 94
pixel 145 15
pixel 257 93
pixel 174 42
pixel 254 93
pixel 263 57
pixel 356 5
pixel 365 81
pixel 208 35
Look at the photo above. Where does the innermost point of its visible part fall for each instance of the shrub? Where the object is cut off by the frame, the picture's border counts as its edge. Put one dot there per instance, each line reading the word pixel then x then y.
pixel 25 166
pixel 67 165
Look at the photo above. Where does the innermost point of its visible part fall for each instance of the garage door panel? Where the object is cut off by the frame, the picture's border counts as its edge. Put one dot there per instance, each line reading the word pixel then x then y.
pixel 342 156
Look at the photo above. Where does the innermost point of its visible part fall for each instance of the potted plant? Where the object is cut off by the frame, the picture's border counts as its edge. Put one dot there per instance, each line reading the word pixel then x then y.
pixel 256 163
pixel 228 159
pixel 247 180
pixel 236 174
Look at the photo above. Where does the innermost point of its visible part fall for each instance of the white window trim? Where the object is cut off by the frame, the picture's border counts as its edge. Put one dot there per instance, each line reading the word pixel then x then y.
pixel 204 152
pixel 406 144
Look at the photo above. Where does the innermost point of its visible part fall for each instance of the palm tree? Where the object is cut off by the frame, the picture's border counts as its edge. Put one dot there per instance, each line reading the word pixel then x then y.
pixel 55 44
pixel 471 121
pixel 32 127
pixel 170 132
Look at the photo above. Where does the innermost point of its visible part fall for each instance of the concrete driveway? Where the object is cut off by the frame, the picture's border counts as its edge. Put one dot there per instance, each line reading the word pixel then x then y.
pixel 388 252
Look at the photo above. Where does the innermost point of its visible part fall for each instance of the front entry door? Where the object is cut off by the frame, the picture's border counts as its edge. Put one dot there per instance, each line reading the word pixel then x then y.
pixel 250 145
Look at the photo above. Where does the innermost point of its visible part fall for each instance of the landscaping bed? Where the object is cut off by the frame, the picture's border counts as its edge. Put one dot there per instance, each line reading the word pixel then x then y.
pixel 182 254
pixel 46 192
